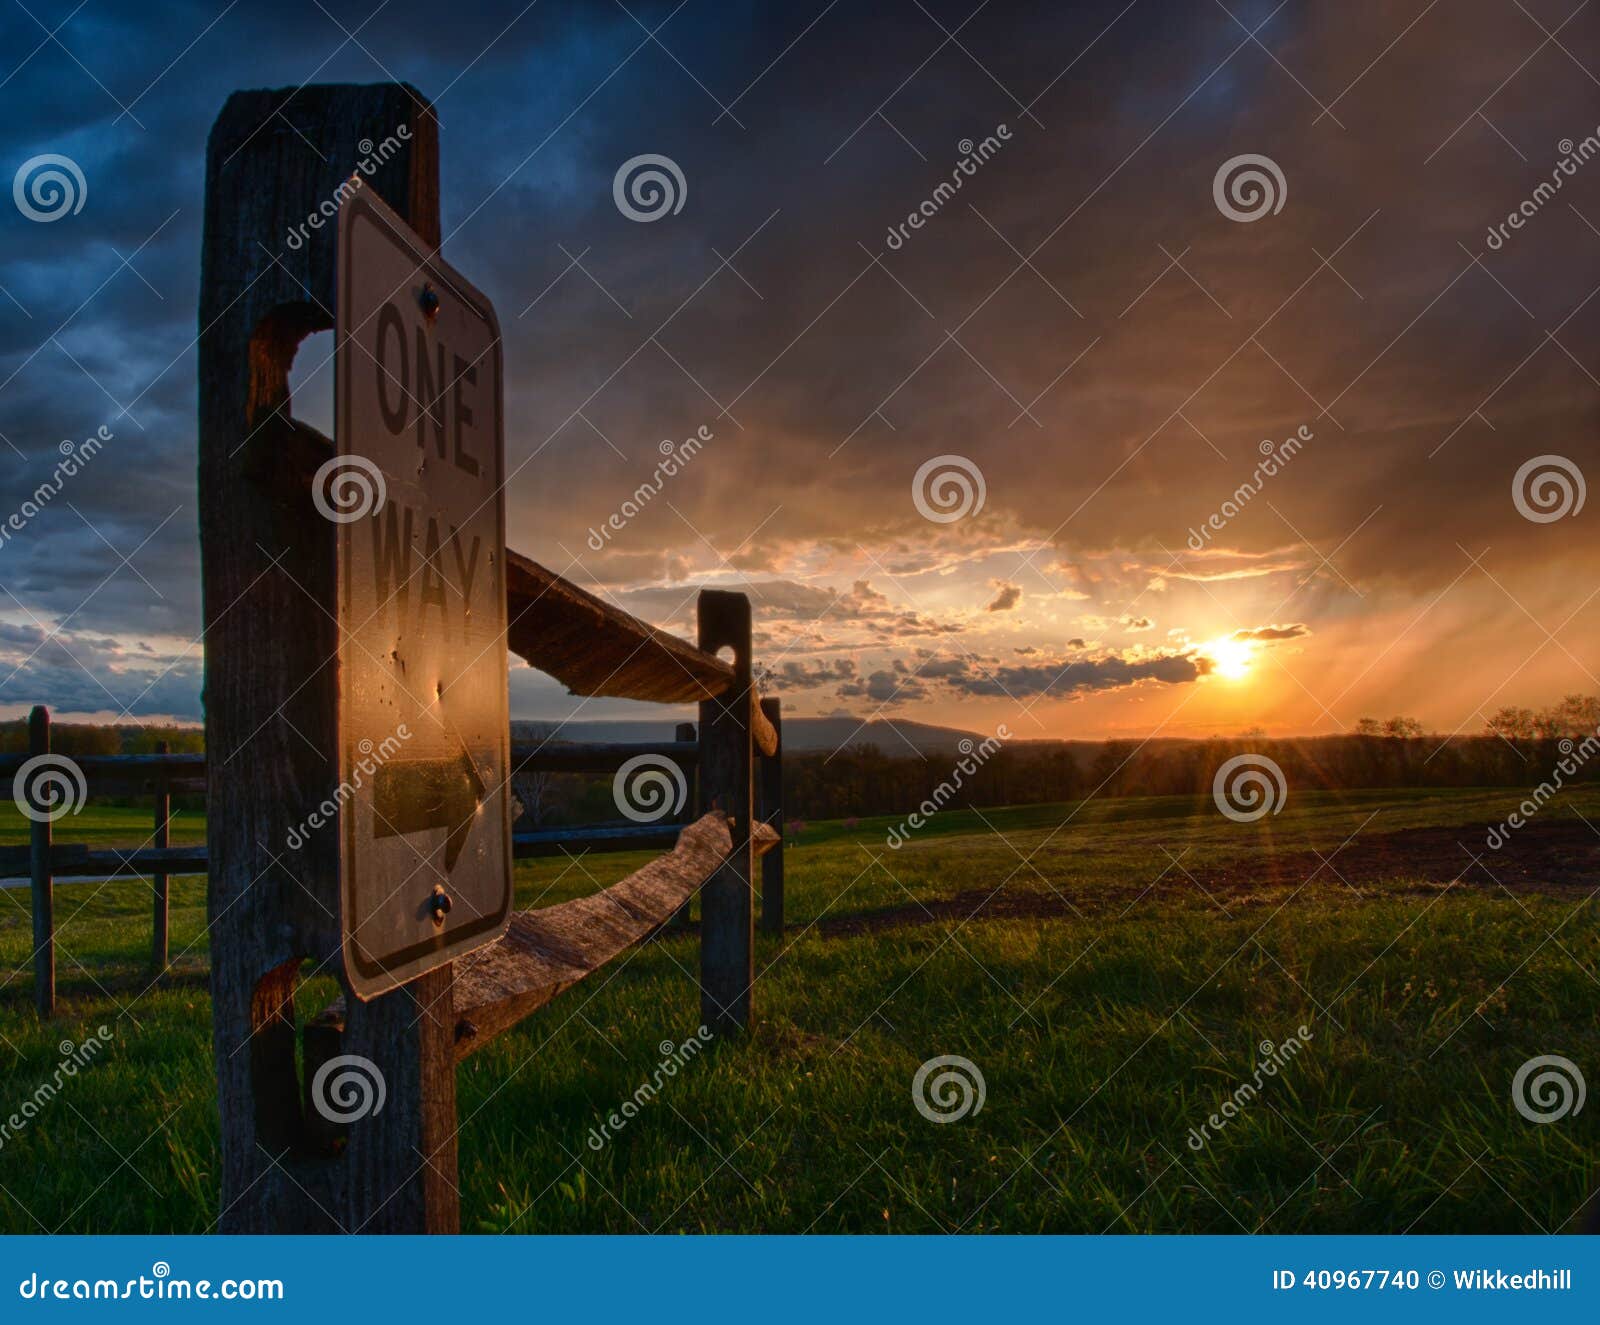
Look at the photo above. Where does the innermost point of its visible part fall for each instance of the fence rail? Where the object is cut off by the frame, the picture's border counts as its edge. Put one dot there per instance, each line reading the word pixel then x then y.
pixel 163 773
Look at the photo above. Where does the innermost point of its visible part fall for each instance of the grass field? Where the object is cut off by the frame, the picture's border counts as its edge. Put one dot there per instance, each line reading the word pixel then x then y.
pixel 1113 994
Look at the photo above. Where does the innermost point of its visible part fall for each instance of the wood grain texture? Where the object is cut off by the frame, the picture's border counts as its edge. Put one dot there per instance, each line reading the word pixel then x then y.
pixel 268 597
pixel 594 648
pixel 762 730
pixel 546 952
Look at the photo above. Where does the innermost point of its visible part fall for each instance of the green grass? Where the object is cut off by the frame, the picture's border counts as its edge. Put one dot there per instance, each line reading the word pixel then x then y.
pixel 1103 1033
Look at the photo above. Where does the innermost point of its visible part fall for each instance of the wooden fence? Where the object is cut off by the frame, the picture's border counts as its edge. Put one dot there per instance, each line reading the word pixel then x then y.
pixel 271 701
pixel 163 775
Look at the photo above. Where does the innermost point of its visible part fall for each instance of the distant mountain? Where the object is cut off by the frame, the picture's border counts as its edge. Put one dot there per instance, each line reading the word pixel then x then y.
pixel 891 735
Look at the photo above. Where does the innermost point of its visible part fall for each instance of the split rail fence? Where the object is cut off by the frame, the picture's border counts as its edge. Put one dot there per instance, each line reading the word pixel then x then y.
pixel 271 703
pixel 163 775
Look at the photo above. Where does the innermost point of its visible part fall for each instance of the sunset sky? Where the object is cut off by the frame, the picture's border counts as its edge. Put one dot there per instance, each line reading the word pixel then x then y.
pixel 1080 324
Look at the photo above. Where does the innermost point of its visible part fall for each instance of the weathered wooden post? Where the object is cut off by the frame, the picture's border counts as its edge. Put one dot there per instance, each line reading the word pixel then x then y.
pixel 274 161
pixel 161 837
pixel 43 884
pixel 727 946
pixel 772 814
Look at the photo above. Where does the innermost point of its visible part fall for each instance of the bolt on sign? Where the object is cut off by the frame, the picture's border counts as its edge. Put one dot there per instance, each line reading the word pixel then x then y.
pixel 424 724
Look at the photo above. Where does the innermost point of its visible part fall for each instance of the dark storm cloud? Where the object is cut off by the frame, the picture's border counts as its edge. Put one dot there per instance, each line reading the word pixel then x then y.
pixel 1075 677
pixel 1006 597
pixel 884 687
pixel 81 672
pixel 792 675
pixel 781 602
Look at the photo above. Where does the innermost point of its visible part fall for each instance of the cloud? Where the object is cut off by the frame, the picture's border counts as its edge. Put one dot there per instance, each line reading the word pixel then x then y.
pixel 885 687
pixel 792 675
pixel 1264 633
pixel 1006 598
pixel 1081 676
pixel 81 672
pixel 1137 623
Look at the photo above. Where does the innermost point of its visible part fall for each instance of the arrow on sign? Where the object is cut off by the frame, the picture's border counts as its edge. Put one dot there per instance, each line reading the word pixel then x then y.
pixel 415 795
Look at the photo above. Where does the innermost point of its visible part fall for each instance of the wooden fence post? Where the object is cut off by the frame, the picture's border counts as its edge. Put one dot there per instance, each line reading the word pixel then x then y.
pixel 772 814
pixel 727 941
pixel 43 885
pixel 162 837
pixel 275 161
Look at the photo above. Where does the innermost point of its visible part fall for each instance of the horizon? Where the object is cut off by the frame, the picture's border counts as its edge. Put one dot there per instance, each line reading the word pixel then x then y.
pixel 665 717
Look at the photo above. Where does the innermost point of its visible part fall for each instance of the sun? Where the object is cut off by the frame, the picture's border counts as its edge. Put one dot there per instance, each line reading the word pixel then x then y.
pixel 1230 658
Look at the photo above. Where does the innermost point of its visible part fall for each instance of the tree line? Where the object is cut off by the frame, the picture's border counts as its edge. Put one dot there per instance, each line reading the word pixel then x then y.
pixel 1517 747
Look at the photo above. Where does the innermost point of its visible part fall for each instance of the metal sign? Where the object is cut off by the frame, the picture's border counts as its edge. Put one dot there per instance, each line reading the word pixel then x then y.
pixel 417 493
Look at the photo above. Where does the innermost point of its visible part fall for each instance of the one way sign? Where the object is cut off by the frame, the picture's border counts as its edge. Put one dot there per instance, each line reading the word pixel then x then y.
pixel 417 494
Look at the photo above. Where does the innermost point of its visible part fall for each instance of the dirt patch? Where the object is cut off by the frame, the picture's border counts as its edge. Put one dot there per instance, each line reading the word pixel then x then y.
pixel 1560 858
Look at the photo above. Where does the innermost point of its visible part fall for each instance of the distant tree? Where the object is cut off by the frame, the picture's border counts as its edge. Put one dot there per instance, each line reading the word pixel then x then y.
pixel 1402 729
pixel 531 789
pixel 1512 724
pixel 1369 727
pixel 1578 715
